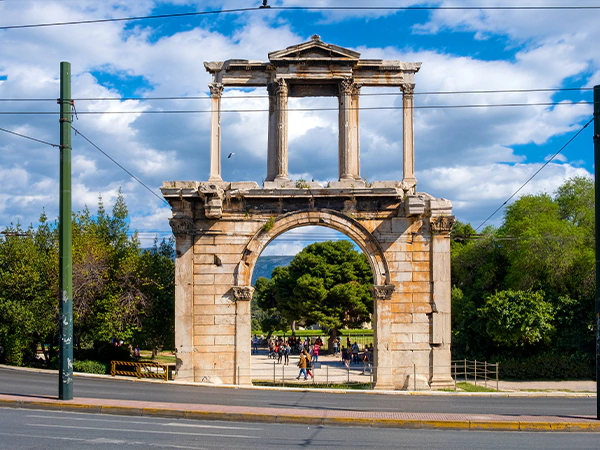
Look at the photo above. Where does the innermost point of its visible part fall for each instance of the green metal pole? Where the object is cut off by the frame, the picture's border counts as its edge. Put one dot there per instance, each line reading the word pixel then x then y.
pixel 65 276
pixel 597 217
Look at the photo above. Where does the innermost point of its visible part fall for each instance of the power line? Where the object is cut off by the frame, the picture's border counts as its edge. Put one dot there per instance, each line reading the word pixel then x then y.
pixel 77 132
pixel 367 94
pixel 29 137
pixel 362 108
pixel 309 9
pixel 538 171
pixel 126 19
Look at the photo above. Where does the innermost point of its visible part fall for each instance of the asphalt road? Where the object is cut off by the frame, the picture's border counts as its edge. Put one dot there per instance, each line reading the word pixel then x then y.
pixel 37 429
pixel 46 384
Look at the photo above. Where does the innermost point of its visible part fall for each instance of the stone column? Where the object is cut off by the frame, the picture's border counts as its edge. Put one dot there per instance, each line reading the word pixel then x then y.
pixel 277 155
pixel 183 229
pixel 409 181
pixel 348 145
pixel 216 89
pixel 441 371
pixel 382 316
pixel 243 334
pixel 355 151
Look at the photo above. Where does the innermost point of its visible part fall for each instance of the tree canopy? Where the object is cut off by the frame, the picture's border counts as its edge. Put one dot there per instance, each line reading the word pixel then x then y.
pixel 120 290
pixel 528 286
pixel 327 283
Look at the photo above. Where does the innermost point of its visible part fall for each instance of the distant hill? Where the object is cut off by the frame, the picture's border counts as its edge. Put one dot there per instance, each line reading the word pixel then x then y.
pixel 265 265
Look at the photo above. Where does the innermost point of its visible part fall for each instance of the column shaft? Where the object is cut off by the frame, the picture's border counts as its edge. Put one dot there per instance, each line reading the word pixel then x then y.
pixel 277 156
pixel 409 181
pixel 216 89
pixel 348 143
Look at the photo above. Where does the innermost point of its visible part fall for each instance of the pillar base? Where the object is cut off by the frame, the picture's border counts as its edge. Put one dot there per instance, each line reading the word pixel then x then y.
pixel 215 179
pixel 442 383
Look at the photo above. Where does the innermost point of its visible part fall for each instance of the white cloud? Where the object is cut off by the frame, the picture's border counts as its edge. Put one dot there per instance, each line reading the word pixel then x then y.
pixel 473 156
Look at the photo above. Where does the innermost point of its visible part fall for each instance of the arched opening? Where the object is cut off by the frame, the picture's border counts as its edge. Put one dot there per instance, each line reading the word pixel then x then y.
pixel 342 353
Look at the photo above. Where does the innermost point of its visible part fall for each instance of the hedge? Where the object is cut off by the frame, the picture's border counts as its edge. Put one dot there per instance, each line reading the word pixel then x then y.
pixel 89 367
pixel 548 366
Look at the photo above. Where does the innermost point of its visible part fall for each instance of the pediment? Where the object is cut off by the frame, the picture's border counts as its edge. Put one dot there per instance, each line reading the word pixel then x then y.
pixel 314 49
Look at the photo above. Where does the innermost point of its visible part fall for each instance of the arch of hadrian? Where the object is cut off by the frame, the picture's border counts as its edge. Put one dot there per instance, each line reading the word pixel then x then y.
pixel 222 227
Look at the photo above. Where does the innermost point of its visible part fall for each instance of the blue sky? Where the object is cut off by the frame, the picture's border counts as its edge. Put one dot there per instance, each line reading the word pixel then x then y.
pixel 476 157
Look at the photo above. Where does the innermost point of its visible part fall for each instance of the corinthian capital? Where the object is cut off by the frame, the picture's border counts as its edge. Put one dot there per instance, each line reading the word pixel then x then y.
pixel 277 87
pixel 349 87
pixel 243 293
pixel 442 224
pixel 383 292
pixel 408 89
pixel 216 89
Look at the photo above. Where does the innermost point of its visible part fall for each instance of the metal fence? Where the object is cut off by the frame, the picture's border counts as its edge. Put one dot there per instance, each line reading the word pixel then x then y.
pixel 475 371
pixel 363 374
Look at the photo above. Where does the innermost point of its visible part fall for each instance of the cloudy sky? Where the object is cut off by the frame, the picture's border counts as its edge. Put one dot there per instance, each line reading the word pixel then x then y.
pixel 470 147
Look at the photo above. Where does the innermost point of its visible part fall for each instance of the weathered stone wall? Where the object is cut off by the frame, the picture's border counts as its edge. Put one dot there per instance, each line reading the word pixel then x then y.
pixel 222 228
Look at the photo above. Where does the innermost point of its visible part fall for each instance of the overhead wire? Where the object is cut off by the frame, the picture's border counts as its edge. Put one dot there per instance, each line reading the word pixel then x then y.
pixel 538 171
pixel 365 94
pixel 77 132
pixel 29 137
pixel 362 108
pixel 308 9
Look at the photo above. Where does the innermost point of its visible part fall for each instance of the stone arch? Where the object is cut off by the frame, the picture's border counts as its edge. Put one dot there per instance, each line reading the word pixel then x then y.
pixel 326 218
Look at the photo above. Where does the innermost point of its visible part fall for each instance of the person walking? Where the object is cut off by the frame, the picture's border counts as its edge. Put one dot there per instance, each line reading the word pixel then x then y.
pixel 302 366
pixel 335 344
pixel 316 349
pixel 355 353
pixel 255 345
pixel 309 365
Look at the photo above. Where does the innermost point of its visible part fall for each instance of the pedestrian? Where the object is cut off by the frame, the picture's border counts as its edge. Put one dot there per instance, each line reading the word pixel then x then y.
pixel 335 345
pixel 345 357
pixel 355 353
pixel 316 349
pixel 255 345
pixel 366 360
pixel 302 366
pixel 309 365
pixel 286 353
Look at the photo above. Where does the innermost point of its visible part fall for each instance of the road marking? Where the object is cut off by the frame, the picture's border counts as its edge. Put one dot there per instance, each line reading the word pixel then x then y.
pixel 99 441
pixel 171 424
pixel 120 430
pixel 193 425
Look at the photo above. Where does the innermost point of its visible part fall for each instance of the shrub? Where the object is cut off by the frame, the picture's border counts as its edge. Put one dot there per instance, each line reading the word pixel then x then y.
pixel 89 367
pixel 548 366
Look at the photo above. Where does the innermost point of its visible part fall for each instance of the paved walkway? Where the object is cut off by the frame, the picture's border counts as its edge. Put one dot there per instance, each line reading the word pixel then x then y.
pixel 491 422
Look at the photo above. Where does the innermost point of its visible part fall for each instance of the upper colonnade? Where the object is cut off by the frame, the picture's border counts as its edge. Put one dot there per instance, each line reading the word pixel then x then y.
pixel 314 69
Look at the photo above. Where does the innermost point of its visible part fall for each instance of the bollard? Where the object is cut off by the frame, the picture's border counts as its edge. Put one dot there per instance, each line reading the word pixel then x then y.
pixel 274 373
pixel 485 377
pixel 327 375
pixel 414 377
pixel 454 377
pixel 475 372
pixel 497 366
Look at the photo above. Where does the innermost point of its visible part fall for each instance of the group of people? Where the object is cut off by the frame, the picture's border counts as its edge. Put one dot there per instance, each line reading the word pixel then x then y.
pixel 281 350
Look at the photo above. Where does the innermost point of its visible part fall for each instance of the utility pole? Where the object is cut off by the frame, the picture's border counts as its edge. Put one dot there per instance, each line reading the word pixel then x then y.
pixel 597 219
pixel 65 275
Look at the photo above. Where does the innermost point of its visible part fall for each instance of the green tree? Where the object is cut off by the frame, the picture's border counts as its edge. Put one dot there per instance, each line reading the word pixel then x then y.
pixel 28 291
pixel 518 318
pixel 326 283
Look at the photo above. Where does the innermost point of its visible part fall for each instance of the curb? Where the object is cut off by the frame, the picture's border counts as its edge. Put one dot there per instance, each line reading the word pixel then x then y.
pixel 264 416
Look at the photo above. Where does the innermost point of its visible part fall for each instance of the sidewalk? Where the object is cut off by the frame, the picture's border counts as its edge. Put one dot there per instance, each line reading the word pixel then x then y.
pixel 333 371
pixel 490 422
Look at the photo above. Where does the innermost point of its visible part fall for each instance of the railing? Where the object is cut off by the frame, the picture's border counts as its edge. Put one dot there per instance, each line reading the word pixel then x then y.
pixel 363 375
pixel 475 371
pixel 142 369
